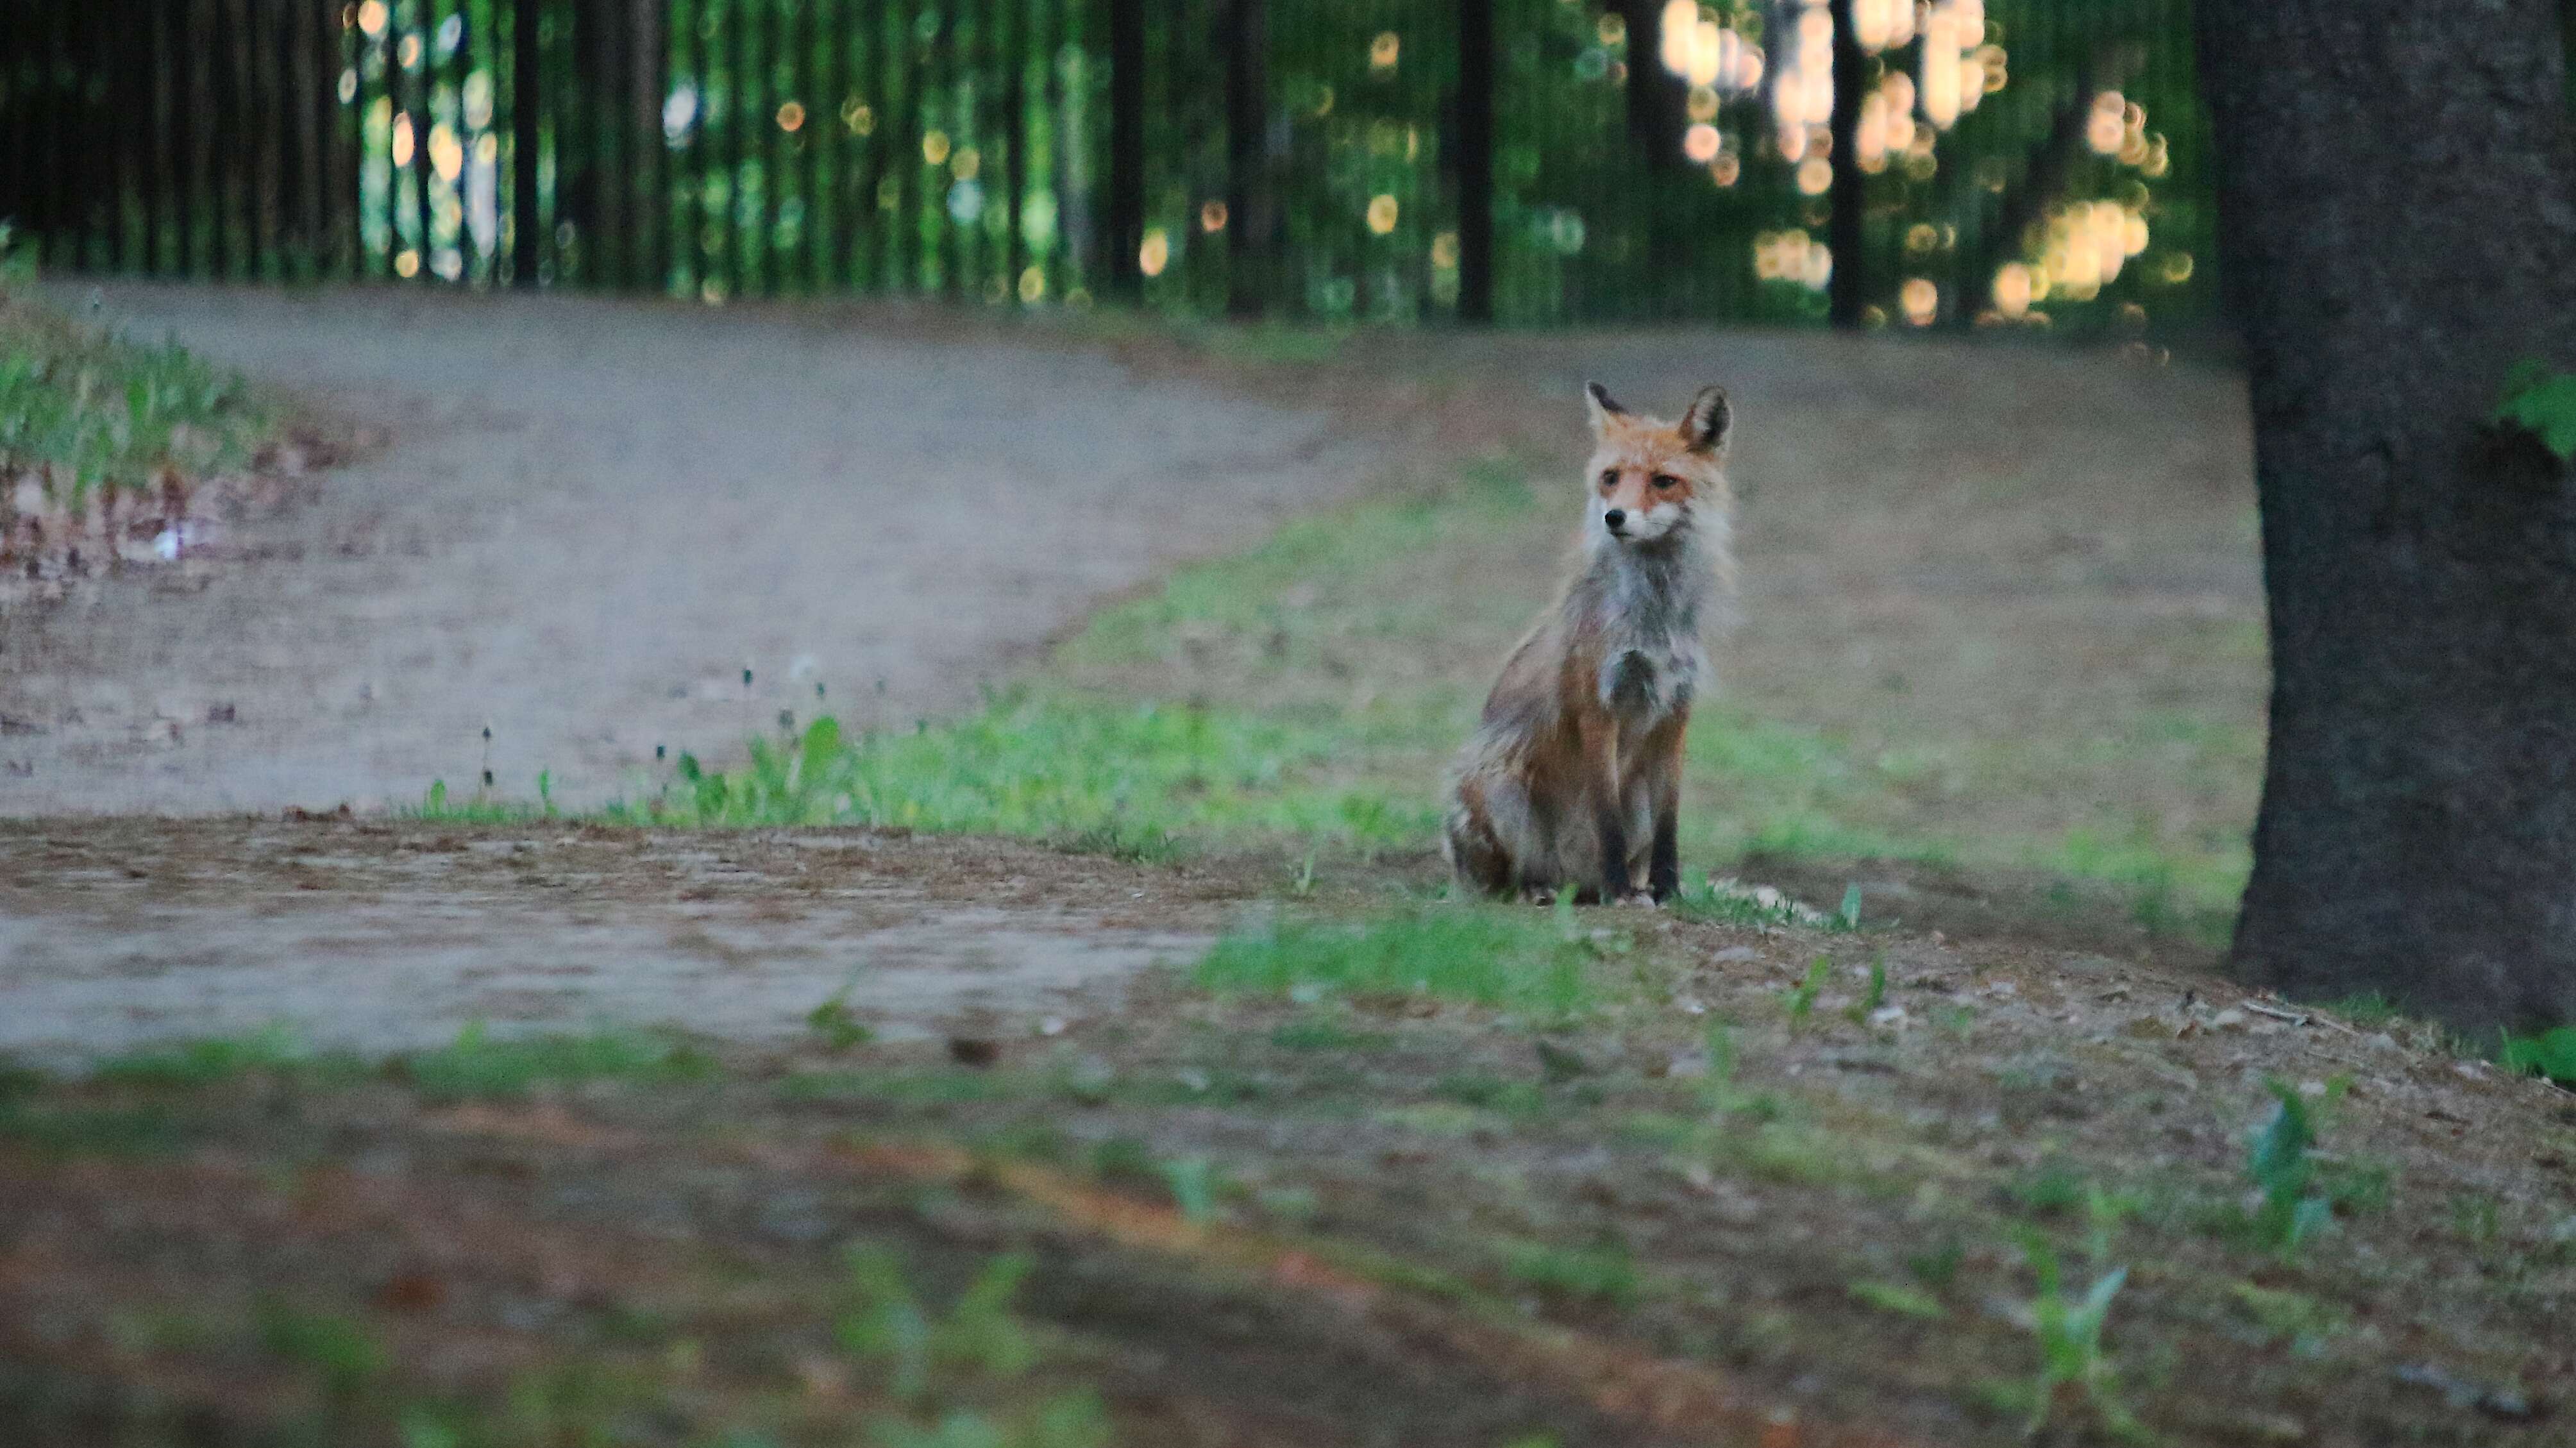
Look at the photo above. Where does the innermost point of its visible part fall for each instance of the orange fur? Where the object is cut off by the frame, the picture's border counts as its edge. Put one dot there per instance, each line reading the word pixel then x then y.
pixel 1574 775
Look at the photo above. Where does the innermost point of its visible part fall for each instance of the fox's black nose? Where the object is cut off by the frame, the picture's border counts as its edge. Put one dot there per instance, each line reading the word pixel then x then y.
pixel 1615 519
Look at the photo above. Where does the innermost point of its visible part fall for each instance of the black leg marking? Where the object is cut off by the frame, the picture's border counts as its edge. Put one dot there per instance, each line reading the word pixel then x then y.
pixel 1664 869
pixel 1615 884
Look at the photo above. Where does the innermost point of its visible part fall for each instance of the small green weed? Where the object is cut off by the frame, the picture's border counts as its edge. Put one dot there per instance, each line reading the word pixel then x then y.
pixel 1482 954
pixel 959 1375
pixel 833 1024
pixel 2282 1165
pixel 1802 996
pixel 1876 996
pixel 2067 1329
pixel 479 1064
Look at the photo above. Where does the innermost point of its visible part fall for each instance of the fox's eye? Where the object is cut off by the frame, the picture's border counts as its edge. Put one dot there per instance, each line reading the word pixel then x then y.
pixel 1666 480
pixel 1610 477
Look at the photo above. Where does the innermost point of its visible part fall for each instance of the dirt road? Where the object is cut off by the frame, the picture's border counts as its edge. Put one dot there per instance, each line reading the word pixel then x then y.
pixel 593 518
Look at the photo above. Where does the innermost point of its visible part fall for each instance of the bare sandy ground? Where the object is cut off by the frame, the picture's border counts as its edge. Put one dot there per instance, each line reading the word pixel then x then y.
pixel 382 936
pixel 593 517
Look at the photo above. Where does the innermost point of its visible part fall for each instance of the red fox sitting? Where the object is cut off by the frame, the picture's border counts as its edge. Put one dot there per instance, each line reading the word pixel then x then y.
pixel 1574 776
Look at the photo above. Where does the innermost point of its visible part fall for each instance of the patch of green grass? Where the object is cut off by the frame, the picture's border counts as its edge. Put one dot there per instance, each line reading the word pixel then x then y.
pixel 1488 1092
pixel 94 413
pixel 1100 776
pixel 2551 1054
pixel 2371 1010
pixel 75 1128
pixel 1900 1299
pixel 1315 1032
pixel 1605 1275
pixel 204 1061
pixel 2541 400
pixel 960 1375
pixel 1488 955
pixel 479 1064
pixel 340 1351
pixel 2304 1324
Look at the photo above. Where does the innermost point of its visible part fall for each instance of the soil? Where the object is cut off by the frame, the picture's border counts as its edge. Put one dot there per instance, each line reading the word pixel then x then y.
pixel 1247 1221
pixel 594 522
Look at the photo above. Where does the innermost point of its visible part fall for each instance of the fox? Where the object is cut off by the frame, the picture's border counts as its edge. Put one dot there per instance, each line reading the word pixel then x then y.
pixel 1573 776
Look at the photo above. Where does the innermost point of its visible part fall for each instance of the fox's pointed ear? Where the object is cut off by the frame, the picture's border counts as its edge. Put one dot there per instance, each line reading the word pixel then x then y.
pixel 1602 407
pixel 1709 421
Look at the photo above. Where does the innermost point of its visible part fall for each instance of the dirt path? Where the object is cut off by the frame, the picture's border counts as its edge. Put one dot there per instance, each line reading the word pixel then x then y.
pixel 593 518
pixel 386 937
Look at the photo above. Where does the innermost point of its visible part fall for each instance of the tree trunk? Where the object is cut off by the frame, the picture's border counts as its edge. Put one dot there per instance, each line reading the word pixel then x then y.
pixel 1247 158
pixel 1475 110
pixel 1126 229
pixel 1848 288
pixel 2398 205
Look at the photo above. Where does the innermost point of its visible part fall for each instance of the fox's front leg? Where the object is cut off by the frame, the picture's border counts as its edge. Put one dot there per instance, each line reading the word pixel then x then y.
pixel 1664 866
pixel 1609 812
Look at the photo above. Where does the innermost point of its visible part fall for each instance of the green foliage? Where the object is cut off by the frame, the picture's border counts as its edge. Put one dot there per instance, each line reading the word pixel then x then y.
pixel 1802 996
pixel 2552 1053
pixel 2067 1328
pixel 1606 1275
pixel 1489 955
pixel 339 1350
pixel 2541 401
pixel 957 1374
pixel 1900 1299
pixel 1127 780
pixel 833 1024
pixel 1876 996
pixel 2281 1163
pixel 95 413
pixel 478 1064
pixel 2370 1010
pixel 203 1062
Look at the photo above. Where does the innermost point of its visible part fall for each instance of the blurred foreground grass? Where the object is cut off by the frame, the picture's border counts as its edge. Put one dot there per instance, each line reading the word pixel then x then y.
pixel 89 413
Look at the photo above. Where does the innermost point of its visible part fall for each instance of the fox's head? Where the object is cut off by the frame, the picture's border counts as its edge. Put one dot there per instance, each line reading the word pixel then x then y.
pixel 1652 479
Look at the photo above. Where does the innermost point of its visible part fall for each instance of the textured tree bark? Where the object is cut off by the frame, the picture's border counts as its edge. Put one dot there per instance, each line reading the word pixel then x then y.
pixel 2398 204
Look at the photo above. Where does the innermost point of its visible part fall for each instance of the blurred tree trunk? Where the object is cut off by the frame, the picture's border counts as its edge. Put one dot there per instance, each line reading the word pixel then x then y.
pixel 1247 157
pixel 1657 100
pixel 1475 112
pixel 1849 293
pixel 2397 196
pixel 1125 233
